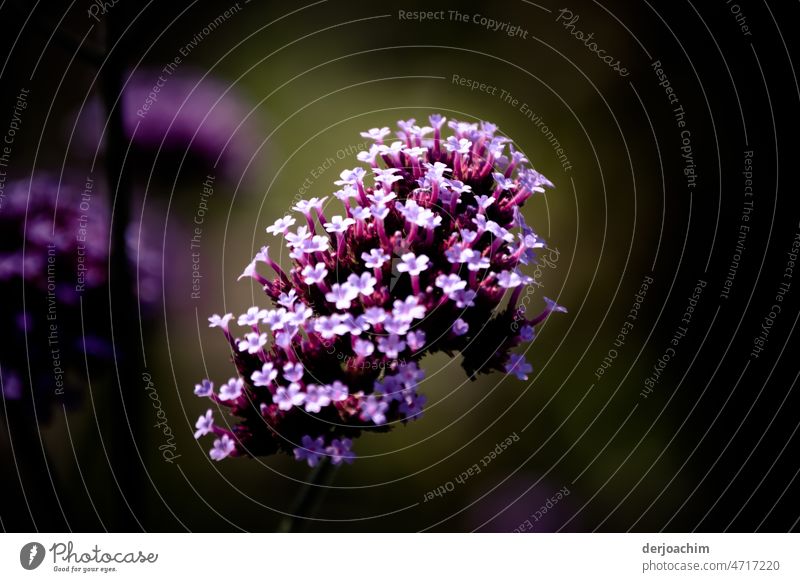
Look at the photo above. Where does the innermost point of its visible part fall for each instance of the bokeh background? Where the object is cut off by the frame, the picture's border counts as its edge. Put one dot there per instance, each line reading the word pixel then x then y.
pixel 274 97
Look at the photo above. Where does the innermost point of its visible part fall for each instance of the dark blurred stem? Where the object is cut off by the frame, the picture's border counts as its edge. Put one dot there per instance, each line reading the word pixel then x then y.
pixel 309 498
pixel 121 289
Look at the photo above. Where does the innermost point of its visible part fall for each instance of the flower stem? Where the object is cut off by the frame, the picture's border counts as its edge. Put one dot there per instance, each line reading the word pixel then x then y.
pixel 309 498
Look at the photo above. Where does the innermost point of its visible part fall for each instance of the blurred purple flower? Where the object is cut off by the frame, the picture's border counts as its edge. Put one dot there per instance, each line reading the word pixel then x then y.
pixel 54 242
pixel 204 118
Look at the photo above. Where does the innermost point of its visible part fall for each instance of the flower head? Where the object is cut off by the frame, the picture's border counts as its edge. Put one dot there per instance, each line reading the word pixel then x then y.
pixel 425 261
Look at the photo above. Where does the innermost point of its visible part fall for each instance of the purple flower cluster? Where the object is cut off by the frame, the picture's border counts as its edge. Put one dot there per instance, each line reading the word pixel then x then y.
pixel 424 256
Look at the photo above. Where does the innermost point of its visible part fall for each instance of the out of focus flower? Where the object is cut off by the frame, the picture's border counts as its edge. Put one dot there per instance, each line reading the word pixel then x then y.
pixel 169 115
pixel 54 243
pixel 427 261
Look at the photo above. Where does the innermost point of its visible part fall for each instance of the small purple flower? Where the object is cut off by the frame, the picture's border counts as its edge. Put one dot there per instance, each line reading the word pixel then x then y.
pixel 553 306
pixel 286 398
pixel 375 258
pixel 460 327
pixel 391 346
pixel 464 298
pixel 231 390
pixel 376 133
pixel 223 447
pixel 527 333
pixel 339 451
pixel 449 284
pixel 373 410
pixel 518 366
pixel 415 339
pixel 364 284
pixel 315 274
pixel 265 376
pixel 221 322
pixel 252 317
pixel 337 391
pixel 311 450
pixel 412 264
pixel 293 371
pixel 338 224
pixel 341 295
pixel 253 342
pixel 281 226
pixel 204 388
pixel 363 348
pixel 317 397
pixel 204 424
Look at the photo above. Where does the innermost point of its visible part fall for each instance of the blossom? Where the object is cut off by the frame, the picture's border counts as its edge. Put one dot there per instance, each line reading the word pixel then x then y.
pixel 518 366
pixel 315 274
pixel 339 450
pixel 265 376
pixel 204 424
pixel 311 450
pixel 221 322
pixel 253 342
pixel 204 388
pixel 450 283
pixel 413 264
pixel 376 133
pixel 252 317
pixel 375 258
pixel 337 391
pixel 373 410
pixel 349 328
pixel 338 224
pixel 364 283
pixel 281 226
pixel 223 447
pixel 341 295
pixel 231 390
pixel 293 371
pixel 391 346
pixel 286 398
pixel 317 397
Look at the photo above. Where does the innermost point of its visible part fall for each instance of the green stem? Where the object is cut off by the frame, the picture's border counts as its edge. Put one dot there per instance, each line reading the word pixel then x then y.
pixel 309 498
